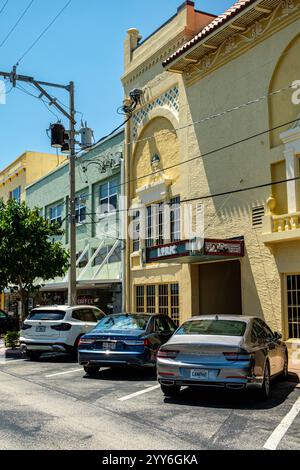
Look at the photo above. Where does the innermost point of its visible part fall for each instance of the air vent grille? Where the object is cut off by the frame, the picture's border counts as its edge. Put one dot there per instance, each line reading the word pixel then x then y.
pixel 257 216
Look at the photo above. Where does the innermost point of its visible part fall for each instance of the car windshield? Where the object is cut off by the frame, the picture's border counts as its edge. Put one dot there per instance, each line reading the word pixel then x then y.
pixel 213 327
pixel 50 315
pixel 123 322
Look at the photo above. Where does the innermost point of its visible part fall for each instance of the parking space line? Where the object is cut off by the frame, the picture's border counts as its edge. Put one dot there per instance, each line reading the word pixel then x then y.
pixel 64 373
pixel 277 435
pixel 132 395
pixel 4 361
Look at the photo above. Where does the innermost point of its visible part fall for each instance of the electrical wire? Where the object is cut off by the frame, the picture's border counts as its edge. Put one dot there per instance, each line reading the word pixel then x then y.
pixel 16 24
pixel 43 33
pixel 211 152
pixel 3 7
pixel 205 119
pixel 59 101
pixel 19 87
pixel 221 113
pixel 211 196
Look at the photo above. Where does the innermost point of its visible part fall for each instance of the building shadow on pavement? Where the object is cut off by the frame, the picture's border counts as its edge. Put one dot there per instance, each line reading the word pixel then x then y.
pixel 125 374
pixel 236 399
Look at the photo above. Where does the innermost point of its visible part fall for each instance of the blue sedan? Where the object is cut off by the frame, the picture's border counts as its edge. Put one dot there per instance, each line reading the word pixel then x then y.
pixel 124 340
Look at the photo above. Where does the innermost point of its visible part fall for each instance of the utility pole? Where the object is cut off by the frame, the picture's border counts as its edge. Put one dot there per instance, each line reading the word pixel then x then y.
pixel 72 297
pixel 14 78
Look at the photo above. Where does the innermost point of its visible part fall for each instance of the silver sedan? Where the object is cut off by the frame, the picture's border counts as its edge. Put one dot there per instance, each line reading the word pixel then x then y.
pixel 222 351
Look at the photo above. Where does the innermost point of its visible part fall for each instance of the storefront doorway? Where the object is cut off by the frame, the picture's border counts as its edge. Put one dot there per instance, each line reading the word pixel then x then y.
pixel 220 289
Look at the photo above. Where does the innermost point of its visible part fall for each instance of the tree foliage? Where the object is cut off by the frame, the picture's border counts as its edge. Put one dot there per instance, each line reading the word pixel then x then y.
pixel 28 249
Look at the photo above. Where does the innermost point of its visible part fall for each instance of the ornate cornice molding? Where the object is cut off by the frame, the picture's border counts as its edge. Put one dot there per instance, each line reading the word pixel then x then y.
pixel 158 57
pixel 285 12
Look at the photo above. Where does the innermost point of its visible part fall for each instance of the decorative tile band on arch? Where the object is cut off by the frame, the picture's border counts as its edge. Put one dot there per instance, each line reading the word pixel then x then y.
pixel 170 99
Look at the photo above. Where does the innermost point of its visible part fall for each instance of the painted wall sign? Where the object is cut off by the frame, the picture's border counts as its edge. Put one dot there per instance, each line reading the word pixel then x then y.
pixel 187 248
pixel 224 248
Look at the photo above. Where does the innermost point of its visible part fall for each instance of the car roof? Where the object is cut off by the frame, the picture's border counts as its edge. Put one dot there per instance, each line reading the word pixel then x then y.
pixel 243 318
pixel 62 307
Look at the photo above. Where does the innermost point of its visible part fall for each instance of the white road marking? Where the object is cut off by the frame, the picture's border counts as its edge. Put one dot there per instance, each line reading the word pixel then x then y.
pixel 141 392
pixel 63 373
pixel 4 361
pixel 279 432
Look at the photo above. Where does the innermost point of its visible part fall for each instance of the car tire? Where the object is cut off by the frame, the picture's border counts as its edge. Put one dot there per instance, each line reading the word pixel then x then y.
pixel 92 371
pixel 33 355
pixel 264 392
pixel 170 390
pixel 285 372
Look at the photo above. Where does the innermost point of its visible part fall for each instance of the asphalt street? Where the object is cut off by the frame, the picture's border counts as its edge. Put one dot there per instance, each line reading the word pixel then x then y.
pixel 52 404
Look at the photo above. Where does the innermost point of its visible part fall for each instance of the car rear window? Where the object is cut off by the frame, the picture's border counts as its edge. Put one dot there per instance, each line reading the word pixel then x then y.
pixel 50 315
pixel 123 322
pixel 213 327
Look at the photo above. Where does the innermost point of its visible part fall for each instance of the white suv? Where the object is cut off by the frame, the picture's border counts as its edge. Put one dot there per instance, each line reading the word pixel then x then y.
pixel 57 328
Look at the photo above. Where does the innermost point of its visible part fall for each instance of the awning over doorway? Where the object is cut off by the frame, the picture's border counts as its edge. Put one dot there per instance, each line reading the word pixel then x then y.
pixel 196 251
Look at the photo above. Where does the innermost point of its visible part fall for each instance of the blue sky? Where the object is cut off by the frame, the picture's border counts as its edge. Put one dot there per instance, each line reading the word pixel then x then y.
pixel 85 45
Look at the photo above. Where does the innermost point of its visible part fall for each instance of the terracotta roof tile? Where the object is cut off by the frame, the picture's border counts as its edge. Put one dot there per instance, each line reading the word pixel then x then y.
pixel 216 23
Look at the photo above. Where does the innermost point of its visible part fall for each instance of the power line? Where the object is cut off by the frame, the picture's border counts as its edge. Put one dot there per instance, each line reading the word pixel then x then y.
pixel 205 119
pixel 43 33
pixel 16 24
pixel 221 113
pixel 211 152
pixel 209 196
pixel 19 87
pixel 3 7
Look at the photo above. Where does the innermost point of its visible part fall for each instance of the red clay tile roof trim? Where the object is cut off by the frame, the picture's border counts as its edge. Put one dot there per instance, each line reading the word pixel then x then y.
pixel 216 23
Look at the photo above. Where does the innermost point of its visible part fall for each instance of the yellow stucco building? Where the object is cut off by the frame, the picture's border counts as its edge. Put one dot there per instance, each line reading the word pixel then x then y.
pixel 27 168
pixel 212 135
pixel 22 172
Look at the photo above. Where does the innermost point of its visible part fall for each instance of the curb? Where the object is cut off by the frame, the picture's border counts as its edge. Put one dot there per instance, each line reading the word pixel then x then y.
pixel 11 353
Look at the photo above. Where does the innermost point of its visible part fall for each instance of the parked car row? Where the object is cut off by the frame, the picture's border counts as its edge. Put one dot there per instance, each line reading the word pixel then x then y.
pixel 234 352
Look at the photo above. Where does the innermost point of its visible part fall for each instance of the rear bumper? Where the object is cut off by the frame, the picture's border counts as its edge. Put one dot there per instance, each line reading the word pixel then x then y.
pixel 43 346
pixel 113 358
pixel 233 376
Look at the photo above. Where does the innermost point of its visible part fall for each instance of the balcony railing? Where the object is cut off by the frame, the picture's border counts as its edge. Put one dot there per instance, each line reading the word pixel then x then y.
pixel 285 222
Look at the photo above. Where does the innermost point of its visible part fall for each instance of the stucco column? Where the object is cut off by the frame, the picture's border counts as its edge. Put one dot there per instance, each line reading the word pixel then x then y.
pixel 291 140
pixel 291 172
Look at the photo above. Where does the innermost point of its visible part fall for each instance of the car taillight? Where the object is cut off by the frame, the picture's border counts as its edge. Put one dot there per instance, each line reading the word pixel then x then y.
pixel 26 327
pixel 164 353
pixel 61 327
pixel 147 342
pixel 86 341
pixel 238 356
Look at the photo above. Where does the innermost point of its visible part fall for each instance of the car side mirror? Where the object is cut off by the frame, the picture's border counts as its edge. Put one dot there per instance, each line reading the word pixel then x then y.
pixel 277 335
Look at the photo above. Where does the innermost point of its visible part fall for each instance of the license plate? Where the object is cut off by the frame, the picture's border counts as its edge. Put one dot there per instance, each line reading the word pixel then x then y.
pixel 109 346
pixel 40 329
pixel 201 374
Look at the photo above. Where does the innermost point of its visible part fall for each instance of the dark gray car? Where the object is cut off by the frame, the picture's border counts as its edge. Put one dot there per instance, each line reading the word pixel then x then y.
pixel 222 351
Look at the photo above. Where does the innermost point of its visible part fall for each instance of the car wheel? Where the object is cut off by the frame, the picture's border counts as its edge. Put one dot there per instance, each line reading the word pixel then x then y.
pixel 91 370
pixel 33 355
pixel 285 370
pixel 265 389
pixel 170 390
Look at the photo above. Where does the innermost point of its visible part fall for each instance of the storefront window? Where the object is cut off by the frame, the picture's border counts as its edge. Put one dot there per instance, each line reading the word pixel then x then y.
pixel 140 299
pixel 150 299
pixel 293 303
pixel 158 298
